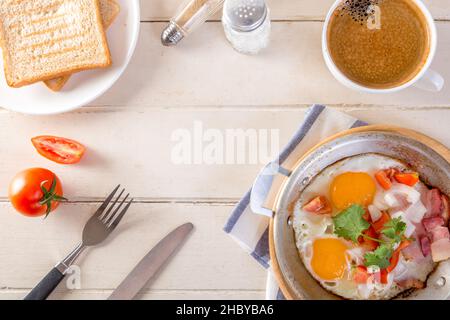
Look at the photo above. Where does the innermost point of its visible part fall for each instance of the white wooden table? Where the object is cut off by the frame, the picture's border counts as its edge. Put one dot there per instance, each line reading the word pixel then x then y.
pixel 128 133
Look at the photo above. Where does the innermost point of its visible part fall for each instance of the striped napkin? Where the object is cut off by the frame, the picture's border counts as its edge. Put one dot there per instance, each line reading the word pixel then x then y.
pixel 251 230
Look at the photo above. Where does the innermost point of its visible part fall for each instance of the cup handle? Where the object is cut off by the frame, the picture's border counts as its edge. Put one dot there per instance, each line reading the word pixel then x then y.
pixel 431 81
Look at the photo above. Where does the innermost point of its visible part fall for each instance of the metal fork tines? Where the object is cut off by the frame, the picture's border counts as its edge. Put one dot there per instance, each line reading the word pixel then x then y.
pixel 97 229
pixel 100 225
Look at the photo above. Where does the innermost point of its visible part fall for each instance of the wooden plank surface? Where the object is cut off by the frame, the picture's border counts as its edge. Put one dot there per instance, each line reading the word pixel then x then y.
pixel 146 294
pixel 156 10
pixel 205 71
pixel 209 260
pixel 139 155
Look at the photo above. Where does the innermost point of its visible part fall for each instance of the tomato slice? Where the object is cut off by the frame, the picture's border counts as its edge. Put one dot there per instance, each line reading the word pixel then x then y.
pixel 318 205
pixel 57 149
pixel 410 179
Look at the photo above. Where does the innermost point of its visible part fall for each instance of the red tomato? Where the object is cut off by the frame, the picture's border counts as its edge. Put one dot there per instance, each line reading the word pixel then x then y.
pixel 60 150
pixel 35 192
pixel 379 224
pixel 360 275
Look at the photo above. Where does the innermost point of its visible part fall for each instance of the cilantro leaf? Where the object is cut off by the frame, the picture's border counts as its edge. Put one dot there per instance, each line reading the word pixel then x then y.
pixel 350 224
pixel 380 257
pixel 394 229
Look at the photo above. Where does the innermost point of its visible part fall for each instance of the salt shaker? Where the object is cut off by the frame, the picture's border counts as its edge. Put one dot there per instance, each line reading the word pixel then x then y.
pixel 247 25
pixel 190 15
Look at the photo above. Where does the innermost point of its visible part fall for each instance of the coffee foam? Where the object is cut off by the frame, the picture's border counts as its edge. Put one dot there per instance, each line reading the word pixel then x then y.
pixel 359 10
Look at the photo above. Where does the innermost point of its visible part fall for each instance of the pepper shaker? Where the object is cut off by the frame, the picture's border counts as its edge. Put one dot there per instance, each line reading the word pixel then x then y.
pixel 247 25
pixel 190 15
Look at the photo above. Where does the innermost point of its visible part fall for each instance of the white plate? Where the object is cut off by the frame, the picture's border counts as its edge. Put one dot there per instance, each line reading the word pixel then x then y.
pixel 83 87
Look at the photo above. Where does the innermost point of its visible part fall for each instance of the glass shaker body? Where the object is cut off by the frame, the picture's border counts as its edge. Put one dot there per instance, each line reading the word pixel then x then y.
pixel 247 25
pixel 190 15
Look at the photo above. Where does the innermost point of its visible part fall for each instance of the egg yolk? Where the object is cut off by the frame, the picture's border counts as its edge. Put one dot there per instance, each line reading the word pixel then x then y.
pixel 329 258
pixel 352 188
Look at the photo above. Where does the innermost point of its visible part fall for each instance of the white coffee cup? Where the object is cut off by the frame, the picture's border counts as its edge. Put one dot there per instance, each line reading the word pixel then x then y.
pixel 426 79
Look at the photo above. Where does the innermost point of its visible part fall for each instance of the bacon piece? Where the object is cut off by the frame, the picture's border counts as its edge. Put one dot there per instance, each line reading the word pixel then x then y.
pixel 413 252
pixel 440 250
pixel 318 205
pixel 425 245
pixel 439 233
pixel 445 212
pixel 433 203
pixel 432 223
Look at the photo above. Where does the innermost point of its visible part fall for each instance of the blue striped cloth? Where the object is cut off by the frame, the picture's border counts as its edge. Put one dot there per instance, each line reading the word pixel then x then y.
pixel 251 230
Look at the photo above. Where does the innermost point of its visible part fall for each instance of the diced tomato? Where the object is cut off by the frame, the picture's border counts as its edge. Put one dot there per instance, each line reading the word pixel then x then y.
pixel 366 216
pixel 369 244
pixel 410 179
pixel 318 205
pixel 396 255
pixel 391 172
pixel 383 179
pixel 379 224
pixel 404 244
pixel 360 275
pixel 394 261
pixel 384 276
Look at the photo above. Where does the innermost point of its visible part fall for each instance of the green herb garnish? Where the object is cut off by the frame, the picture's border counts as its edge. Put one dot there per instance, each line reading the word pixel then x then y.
pixel 350 224
pixel 394 229
pixel 380 257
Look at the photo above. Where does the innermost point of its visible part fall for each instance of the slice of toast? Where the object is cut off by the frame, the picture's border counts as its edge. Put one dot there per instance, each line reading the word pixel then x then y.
pixel 45 39
pixel 109 9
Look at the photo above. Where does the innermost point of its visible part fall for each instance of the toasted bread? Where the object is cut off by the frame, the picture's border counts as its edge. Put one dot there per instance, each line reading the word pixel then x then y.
pixel 109 9
pixel 45 39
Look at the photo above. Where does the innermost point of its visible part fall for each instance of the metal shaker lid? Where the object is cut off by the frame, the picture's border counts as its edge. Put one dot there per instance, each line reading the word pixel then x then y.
pixel 244 15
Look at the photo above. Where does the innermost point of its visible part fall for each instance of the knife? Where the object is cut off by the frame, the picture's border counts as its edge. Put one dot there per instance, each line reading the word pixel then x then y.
pixel 151 263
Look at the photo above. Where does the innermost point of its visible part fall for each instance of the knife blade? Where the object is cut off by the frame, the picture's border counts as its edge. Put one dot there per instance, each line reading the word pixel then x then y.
pixel 151 263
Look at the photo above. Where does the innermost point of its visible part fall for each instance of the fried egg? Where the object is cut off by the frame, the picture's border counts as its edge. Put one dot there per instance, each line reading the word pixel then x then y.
pixel 331 259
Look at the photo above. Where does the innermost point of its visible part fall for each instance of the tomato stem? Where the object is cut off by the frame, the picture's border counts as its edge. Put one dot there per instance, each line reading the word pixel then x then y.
pixel 50 196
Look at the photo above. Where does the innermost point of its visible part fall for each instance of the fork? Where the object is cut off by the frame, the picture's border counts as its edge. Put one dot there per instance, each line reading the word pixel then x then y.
pixel 96 230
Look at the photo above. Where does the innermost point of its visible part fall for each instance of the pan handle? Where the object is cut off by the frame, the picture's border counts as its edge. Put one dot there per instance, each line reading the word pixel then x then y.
pixel 266 187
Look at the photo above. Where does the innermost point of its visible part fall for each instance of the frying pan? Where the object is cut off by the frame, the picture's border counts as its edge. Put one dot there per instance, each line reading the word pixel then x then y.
pixel 423 154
